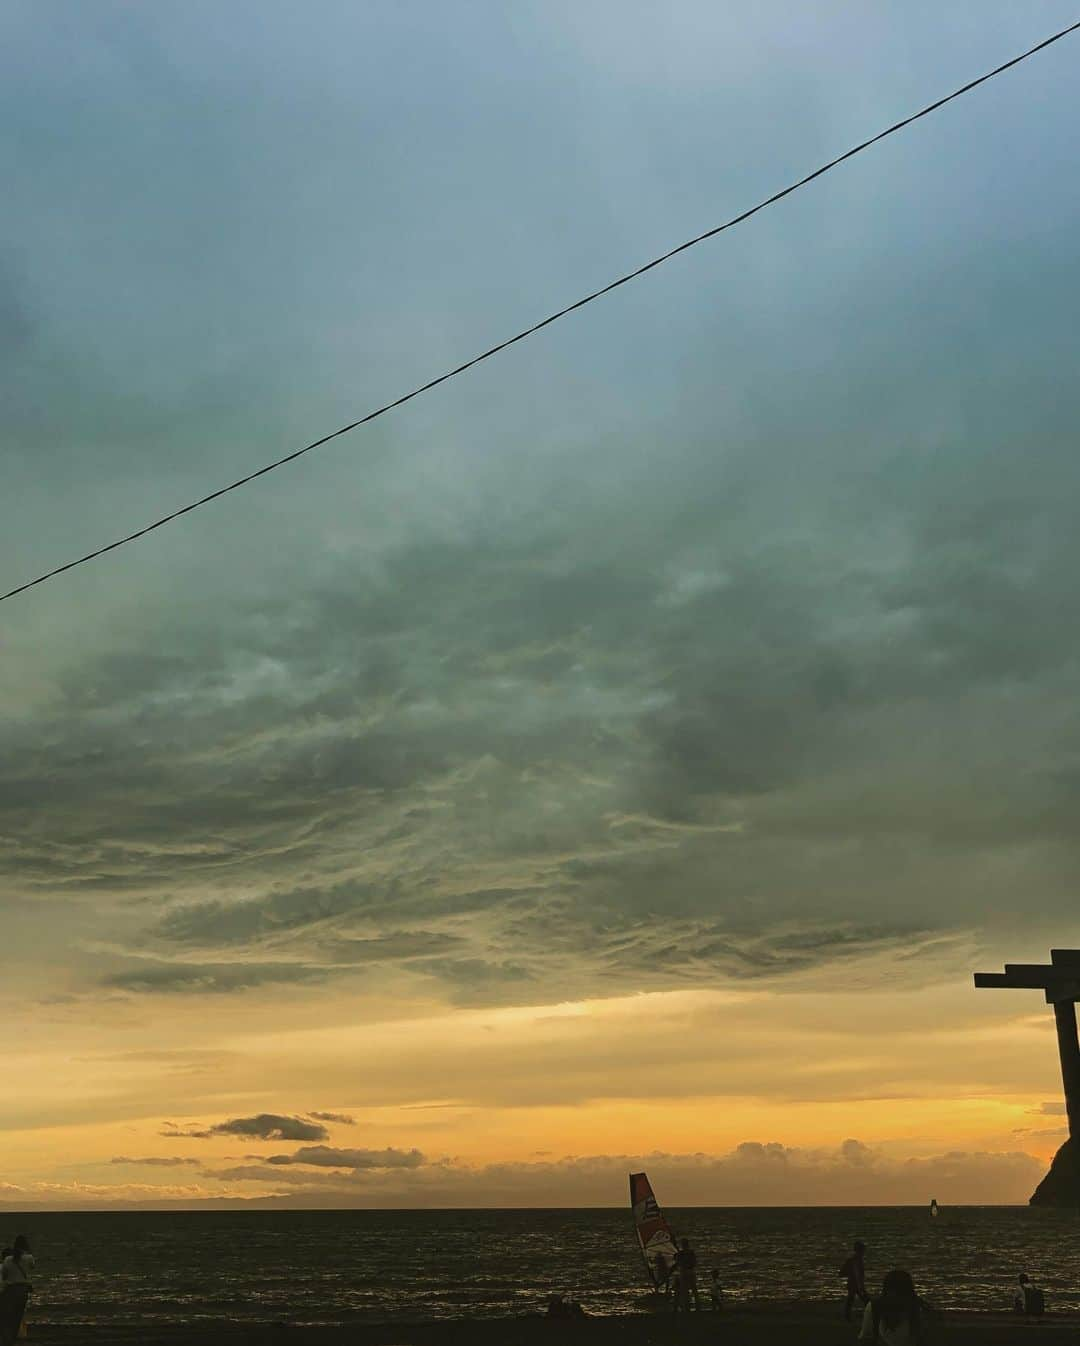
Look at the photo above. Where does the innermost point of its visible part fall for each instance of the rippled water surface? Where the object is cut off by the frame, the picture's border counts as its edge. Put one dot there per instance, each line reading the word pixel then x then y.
pixel 335 1266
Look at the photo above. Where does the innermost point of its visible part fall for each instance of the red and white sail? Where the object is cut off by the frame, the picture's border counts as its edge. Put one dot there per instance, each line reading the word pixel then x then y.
pixel 653 1232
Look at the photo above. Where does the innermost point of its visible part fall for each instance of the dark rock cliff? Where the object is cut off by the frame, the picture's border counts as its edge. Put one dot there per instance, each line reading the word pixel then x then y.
pixel 1061 1186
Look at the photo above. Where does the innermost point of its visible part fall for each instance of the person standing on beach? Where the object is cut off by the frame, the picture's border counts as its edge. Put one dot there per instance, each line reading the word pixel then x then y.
pixel 686 1269
pixel 854 1271
pixel 895 1317
pixel 1029 1299
pixel 716 1290
pixel 15 1289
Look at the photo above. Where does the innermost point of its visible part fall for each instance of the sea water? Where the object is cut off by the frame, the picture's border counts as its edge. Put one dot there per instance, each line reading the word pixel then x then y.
pixel 357 1266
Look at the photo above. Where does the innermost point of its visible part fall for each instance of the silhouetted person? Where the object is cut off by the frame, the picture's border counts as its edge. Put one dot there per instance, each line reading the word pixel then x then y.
pixel 561 1307
pixel 896 1317
pixel 716 1290
pixel 15 1289
pixel 1029 1299
pixel 686 1270
pixel 854 1272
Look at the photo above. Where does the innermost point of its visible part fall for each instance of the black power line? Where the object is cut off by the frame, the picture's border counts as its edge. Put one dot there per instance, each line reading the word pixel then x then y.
pixel 545 322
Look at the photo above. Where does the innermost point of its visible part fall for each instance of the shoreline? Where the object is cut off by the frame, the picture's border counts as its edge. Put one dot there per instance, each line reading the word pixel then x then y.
pixel 763 1323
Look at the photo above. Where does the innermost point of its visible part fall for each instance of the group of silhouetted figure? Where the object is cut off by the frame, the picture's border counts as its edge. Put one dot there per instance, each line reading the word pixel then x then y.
pixel 896 1317
pixel 677 1280
pixel 15 1286
pixel 899 1315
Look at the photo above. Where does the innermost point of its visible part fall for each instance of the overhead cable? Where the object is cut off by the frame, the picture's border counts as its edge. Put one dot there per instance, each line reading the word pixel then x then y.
pixel 544 322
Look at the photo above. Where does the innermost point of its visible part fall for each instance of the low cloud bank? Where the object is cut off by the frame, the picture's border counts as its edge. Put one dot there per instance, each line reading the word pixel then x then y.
pixel 753 1174
pixel 156 1161
pixel 765 1174
pixel 323 1156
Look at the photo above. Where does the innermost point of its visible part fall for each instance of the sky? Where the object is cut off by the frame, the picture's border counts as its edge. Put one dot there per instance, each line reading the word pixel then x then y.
pixel 621 756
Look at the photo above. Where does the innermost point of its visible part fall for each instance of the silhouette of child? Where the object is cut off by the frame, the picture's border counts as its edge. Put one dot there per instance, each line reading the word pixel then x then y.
pixel 716 1290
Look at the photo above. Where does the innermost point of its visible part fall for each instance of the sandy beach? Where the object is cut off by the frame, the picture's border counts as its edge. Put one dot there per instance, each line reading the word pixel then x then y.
pixel 764 1324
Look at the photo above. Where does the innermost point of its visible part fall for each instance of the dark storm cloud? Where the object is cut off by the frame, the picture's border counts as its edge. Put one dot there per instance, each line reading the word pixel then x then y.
pixel 654 794
pixel 726 635
pixel 263 1126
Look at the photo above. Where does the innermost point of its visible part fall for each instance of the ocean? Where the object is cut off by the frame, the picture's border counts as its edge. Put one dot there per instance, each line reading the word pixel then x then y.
pixel 367 1266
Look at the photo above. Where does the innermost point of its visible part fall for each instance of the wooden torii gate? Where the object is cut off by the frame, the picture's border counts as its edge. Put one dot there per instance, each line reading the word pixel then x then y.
pixel 1060 980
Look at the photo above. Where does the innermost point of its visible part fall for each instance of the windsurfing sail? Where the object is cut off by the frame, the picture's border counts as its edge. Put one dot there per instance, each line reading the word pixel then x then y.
pixel 653 1231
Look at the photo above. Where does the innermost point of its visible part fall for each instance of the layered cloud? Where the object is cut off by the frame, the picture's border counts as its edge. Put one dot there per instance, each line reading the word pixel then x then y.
pixel 325 1156
pixel 754 1173
pixel 544 754
pixel 768 1174
pixel 619 814
pixel 156 1161
pixel 641 794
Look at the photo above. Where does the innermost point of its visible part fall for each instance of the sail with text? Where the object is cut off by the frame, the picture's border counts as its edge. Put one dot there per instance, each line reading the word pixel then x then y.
pixel 653 1232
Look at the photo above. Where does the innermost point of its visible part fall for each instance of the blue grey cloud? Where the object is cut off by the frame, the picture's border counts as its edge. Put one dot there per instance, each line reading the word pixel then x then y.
pixel 721 632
